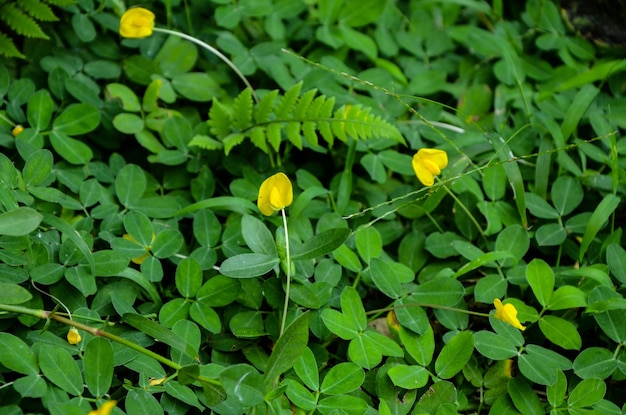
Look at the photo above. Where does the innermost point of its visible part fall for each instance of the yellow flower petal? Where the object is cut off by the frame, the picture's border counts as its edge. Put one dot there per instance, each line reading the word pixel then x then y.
pixel 275 193
pixel 105 409
pixel 427 163
pixel 137 23
pixel 507 313
pixel 73 336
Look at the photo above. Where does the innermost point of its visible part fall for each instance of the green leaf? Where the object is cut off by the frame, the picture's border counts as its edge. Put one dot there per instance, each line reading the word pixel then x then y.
pixel 219 291
pixel 299 395
pixel 524 397
pixel 139 227
pixel 560 332
pixel 77 119
pixel 128 99
pixel 39 110
pixel 20 221
pixel 385 279
pixel 587 393
pixel 339 324
pixel 566 297
pixel 321 244
pixel 13 294
pixel 595 362
pixel 369 243
pixel 130 184
pixel 288 348
pixel 344 404
pixel 455 355
pixel 257 236
pixel 616 259
pixel 244 383
pixel 541 279
pixel 188 277
pixel 551 234
pixel 159 332
pixel 539 207
pixel 494 182
pixel 38 167
pixel 599 217
pixel 408 377
pixel 306 368
pixel 420 346
pixel 98 366
pixel 514 239
pixel 140 401
pixel 203 314
pixel 567 193
pixel 61 369
pixel 248 265
pixel 444 291
pixel 556 392
pixel 17 355
pixel 247 324
pixel 541 365
pixel 187 374
pixel 72 150
pixel 108 263
pixel 494 346
pixel 577 108
pixel 342 378
pixel 227 203
pixel 439 393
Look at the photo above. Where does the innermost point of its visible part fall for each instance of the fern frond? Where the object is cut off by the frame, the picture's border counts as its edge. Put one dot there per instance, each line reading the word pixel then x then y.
pixel 205 142
pixel 293 116
pixel 242 106
pixel 8 48
pixel 264 107
pixel 220 118
pixel 37 10
pixel 287 102
pixel 20 22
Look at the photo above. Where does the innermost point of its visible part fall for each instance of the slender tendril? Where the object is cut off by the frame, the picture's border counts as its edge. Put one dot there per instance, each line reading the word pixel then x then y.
pixel 288 285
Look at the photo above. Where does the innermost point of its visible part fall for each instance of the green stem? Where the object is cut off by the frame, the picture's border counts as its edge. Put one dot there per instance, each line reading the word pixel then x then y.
pixel 462 205
pixel 43 314
pixel 288 285
pixel 214 51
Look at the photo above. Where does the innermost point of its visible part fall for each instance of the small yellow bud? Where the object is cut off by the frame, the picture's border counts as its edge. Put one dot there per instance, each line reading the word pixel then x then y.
pixel 73 336
pixel 156 382
pixel 105 409
pixel 16 130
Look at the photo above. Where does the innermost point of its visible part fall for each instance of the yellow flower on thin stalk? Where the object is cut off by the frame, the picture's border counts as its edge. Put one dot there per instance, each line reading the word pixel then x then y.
pixel 507 313
pixel 105 409
pixel 428 163
pixel 275 193
pixel 17 130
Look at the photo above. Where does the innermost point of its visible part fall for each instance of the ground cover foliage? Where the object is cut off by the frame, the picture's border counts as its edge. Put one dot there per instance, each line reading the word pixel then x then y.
pixel 137 268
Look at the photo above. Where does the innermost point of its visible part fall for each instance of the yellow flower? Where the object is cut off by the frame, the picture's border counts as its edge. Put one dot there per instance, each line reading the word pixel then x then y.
pixel 18 129
pixel 428 163
pixel 275 194
pixel 137 23
pixel 105 409
pixel 73 336
pixel 507 313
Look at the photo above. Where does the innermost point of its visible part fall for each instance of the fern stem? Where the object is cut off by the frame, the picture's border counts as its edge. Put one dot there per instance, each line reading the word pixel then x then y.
pixel 214 51
pixel 288 285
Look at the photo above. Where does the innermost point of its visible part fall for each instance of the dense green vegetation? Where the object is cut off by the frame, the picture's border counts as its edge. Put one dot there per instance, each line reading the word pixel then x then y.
pixel 137 266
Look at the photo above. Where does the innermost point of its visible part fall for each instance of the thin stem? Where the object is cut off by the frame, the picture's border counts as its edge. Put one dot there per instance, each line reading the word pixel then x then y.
pixel 288 286
pixel 469 214
pixel 214 51
pixel 43 314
